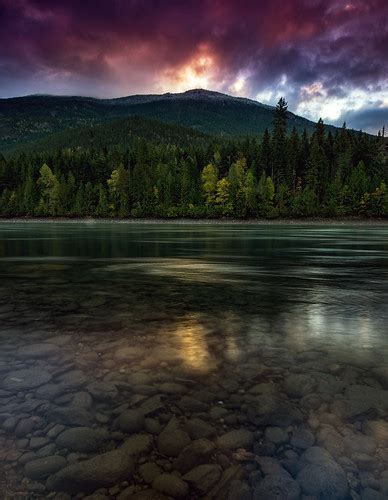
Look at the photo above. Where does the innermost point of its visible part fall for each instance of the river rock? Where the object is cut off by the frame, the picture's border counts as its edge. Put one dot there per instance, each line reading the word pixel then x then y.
pixel 82 439
pixel 276 435
pixel 103 391
pixel 24 380
pixel 197 429
pixel 131 421
pixel 361 399
pixel 172 440
pixel 37 351
pixel 321 476
pixel 196 453
pixel 359 443
pixel 277 487
pixel 43 467
pixel 191 405
pixel 71 416
pixel 298 385
pixel 24 427
pixel 302 439
pixel 377 429
pixel 238 438
pixel 102 471
pixel 171 485
pixel 382 376
pixel 203 477
pixel 149 471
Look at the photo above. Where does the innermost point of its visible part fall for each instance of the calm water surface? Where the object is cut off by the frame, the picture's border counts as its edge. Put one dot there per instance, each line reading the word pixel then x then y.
pixel 199 306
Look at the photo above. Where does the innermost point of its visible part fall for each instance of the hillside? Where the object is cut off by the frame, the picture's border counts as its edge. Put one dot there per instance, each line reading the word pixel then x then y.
pixel 120 134
pixel 27 119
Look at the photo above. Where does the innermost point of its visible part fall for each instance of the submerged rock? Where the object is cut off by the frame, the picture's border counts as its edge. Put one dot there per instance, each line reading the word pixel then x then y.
pixel 321 476
pixel 238 438
pixel 37 351
pixel 22 380
pixel 203 477
pixel 82 439
pixel 171 485
pixel 43 467
pixel 131 421
pixel 101 471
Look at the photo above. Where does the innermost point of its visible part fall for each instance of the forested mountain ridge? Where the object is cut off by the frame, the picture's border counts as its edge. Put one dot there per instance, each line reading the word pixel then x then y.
pixel 169 171
pixel 26 119
pixel 121 134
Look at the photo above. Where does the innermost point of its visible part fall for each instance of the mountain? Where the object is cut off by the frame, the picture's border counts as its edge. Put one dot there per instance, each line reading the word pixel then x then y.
pixel 24 120
pixel 122 133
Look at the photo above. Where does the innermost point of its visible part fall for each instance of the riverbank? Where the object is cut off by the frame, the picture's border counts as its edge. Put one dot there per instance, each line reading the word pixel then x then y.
pixel 226 220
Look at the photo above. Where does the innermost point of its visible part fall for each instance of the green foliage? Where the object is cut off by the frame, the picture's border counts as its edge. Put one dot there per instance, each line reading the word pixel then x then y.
pixel 276 175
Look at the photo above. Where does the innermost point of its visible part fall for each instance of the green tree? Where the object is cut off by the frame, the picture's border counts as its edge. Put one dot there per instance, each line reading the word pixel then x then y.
pixel 209 179
pixel 118 185
pixel 49 191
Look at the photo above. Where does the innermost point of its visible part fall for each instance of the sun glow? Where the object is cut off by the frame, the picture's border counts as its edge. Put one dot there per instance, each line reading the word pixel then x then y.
pixel 199 72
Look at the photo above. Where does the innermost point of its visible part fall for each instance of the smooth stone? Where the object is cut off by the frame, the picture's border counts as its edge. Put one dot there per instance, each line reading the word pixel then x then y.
pixel 137 444
pixel 24 427
pixel 381 375
pixel 203 477
pixel 277 487
pixel 238 438
pixel 302 439
pixel 196 453
pixel 82 439
pixel 72 416
pixel 276 435
pixel 172 440
pixel 378 429
pixel 49 391
pixel 149 471
pixel 171 485
pixel 298 385
pixel 43 467
pixel 171 388
pixel 361 399
pixel 198 428
pixel 131 421
pixel 103 391
pixel 82 400
pixel 239 490
pixel 321 476
pixel 37 351
pixel 38 442
pixel 23 380
pixel 102 471
pixel 191 405
pixel 73 379
pixel 359 443
pixel 151 405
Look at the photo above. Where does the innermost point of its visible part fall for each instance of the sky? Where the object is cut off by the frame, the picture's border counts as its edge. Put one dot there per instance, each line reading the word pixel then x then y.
pixel 328 58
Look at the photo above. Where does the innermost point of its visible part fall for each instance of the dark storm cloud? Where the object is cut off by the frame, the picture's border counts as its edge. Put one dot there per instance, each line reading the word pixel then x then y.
pixel 367 118
pixel 121 46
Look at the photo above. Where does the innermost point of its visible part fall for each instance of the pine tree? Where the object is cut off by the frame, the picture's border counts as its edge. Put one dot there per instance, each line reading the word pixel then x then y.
pixel 279 140
pixel 30 194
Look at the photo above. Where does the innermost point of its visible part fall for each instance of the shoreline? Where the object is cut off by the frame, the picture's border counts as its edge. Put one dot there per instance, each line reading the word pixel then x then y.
pixel 211 221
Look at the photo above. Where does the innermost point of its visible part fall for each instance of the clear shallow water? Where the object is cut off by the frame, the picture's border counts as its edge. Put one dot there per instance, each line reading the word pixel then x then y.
pixel 224 307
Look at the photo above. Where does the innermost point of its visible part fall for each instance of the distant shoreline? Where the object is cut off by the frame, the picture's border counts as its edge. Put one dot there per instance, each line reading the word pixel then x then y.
pixel 188 221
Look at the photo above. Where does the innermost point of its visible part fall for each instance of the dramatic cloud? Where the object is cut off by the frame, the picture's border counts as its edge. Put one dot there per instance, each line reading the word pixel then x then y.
pixel 329 58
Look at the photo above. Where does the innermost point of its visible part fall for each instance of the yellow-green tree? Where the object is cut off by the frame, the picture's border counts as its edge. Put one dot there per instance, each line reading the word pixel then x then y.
pixel 118 185
pixel 49 191
pixel 209 179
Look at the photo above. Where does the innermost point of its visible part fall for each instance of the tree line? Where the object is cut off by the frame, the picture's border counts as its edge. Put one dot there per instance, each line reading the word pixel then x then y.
pixel 277 174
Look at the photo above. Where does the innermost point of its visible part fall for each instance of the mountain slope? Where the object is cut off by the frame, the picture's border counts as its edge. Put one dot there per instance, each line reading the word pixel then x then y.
pixel 27 119
pixel 121 133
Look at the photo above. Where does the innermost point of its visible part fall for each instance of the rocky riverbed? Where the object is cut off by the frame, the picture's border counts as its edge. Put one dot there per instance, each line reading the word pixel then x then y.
pixel 115 415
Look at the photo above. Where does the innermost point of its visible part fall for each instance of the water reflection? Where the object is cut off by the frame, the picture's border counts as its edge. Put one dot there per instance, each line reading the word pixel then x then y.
pixel 169 320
